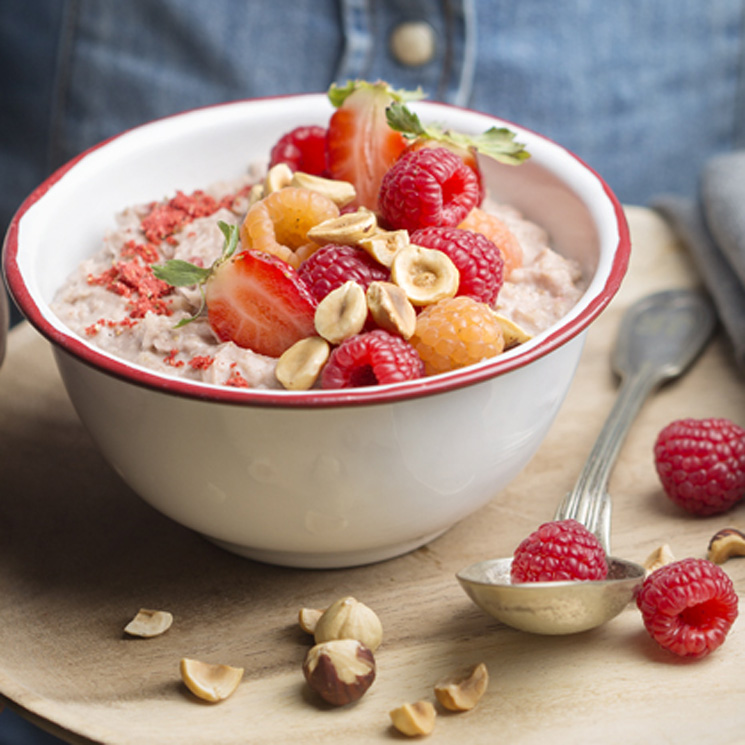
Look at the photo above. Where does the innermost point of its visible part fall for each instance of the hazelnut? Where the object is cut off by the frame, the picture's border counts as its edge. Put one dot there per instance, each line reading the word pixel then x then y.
pixel 347 618
pixel 299 366
pixel 208 681
pixel 658 558
pixel 391 309
pixel 342 313
pixel 462 692
pixel 340 671
pixel 149 623
pixel 725 544
pixel 346 229
pixel 383 245
pixel 414 719
pixel 277 177
pixel 308 619
pixel 426 275
pixel 341 193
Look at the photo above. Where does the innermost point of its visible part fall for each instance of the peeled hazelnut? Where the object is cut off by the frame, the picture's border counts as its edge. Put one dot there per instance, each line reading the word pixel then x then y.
pixel 463 692
pixel 347 229
pixel 424 274
pixel 149 623
pixel 725 544
pixel 210 682
pixel 414 719
pixel 340 193
pixel 347 618
pixel 340 671
pixel 658 558
pixel 308 619
pixel 342 313
pixel 299 366
pixel 383 245
pixel 277 177
pixel 513 334
pixel 391 309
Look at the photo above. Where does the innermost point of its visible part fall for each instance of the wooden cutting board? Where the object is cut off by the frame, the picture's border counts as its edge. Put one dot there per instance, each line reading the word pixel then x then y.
pixel 80 554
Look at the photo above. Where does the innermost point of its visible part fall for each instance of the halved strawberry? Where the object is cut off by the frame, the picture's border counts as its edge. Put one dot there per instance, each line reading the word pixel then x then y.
pixel 258 301
pixel 361 146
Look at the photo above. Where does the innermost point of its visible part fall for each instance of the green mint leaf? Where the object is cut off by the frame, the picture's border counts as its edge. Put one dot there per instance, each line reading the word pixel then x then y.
pixel 402 119
pixel 232 235
pixel 178 273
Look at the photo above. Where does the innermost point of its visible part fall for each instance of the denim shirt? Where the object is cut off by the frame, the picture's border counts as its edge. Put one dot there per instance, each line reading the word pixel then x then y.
pixel 643 91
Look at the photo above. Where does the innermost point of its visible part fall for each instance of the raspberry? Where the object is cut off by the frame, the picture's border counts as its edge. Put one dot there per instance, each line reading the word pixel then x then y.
pixel 331 266
pixel 431 186
pixel 456 332
pixel 559 550
pixel 303 149
pixel 279 223
pixel 477 259
pixel 701 464
pixel 688 606
pixel 498 233
pixel 371 358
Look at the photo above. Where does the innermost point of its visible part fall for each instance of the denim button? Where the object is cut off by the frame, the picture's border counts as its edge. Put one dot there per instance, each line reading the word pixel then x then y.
pixel 413 43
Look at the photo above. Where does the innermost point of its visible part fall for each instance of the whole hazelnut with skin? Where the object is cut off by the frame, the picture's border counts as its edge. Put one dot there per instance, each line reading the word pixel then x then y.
pixel 347 618
pixel 339 671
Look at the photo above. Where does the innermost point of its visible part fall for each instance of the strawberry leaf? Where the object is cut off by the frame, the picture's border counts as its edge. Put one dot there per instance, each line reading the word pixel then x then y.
pixel 497 142
pixel 339 94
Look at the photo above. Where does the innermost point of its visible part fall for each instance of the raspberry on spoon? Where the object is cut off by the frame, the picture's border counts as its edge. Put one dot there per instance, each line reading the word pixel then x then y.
pixel 688 606
pixel 558 551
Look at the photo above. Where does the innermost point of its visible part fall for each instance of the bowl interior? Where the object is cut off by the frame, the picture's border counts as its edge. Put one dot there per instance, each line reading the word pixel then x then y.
pixel 66 218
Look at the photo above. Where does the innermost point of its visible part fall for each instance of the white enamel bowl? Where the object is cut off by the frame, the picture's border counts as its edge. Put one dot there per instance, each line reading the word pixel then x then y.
pixel 323 478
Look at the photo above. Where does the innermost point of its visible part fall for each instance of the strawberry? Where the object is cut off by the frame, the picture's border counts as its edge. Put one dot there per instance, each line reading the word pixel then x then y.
pixel 258 301
pixel 361 146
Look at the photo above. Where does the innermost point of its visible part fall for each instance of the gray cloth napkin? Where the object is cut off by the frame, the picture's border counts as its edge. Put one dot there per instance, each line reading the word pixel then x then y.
pixel 713 231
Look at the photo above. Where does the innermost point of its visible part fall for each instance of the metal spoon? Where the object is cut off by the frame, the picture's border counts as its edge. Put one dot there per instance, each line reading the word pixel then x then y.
pixel 659 338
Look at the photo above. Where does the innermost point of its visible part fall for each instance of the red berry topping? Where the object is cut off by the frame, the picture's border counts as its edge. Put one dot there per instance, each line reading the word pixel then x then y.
pixel 372 358
pixel 258 301
pixel 479 262
pixel 559 550
pixel 303 149
pixel 431 186
pixel 701 464
pixel 331 266
pixel 688 606
pixel 361 146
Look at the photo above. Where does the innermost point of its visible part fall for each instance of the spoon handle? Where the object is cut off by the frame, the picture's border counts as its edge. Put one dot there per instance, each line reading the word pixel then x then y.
pixel 589 501
pixel 659 338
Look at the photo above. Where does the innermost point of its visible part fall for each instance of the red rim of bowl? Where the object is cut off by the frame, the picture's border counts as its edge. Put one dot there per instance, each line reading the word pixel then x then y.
pixel 550 340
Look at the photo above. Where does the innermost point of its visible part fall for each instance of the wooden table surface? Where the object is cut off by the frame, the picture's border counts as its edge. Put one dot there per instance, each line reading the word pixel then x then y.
pixel 80 554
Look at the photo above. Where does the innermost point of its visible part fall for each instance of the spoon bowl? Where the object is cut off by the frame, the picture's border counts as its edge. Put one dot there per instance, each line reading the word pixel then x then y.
pixel 659 338
pixel 551 608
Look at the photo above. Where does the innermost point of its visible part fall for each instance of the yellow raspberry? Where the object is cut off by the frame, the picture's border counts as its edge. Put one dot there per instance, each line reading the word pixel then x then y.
pixel 456 332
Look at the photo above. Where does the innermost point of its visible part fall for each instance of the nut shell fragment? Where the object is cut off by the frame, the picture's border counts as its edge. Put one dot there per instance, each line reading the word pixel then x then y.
pixel 725 544
pixel 463 692
pixel 148 623
pixel 426 275
pixel 414 719
pixel 208 681
pixel 339 671
pixel 348 618
pixel 299 366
